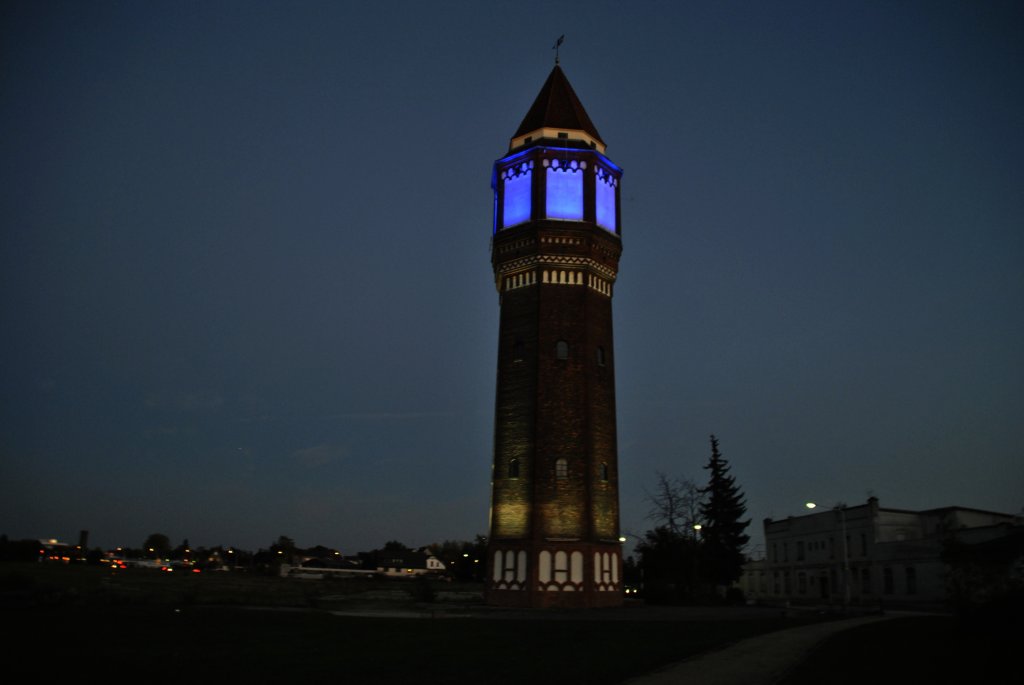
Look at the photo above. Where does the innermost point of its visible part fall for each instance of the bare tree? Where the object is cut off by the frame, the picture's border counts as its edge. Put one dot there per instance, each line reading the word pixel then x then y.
pixel 675 504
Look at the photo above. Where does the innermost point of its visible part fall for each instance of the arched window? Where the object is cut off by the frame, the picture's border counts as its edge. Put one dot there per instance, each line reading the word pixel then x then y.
pixel 513 468
pixel 600 356
pixel 561 469
pixel 561 350
pixel 604 471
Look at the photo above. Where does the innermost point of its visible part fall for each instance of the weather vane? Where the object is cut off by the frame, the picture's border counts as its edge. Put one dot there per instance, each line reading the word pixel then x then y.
pixel 558 42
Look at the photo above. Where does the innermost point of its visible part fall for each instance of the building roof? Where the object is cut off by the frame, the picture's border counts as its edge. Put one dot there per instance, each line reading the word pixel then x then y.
pixel 557 107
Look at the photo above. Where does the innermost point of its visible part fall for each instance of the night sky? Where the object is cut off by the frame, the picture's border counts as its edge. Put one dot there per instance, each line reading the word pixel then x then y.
pixel 245 280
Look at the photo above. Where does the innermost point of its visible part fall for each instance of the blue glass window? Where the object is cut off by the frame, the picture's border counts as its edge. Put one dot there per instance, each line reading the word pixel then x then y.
pixel 564 190
pixel 605 200
pixel 516 209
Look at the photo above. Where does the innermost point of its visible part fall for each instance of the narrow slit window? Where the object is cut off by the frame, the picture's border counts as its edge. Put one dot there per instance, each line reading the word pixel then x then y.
pixel 517 351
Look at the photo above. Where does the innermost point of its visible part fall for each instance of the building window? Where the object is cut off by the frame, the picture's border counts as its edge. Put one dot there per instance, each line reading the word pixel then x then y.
pixel 800 550
pixel 561 567
pixel 604 471
pixel 605 199
pixel 564 190
pixel 517 351
pixel 561 469
pixel 863 544
pixel 513 468
pixel 561 350
pixel 865 581
pixel 563 135
pixel 517 194
pixel 600 356
pixel 911 577
pixel 785 552
pixel 887 585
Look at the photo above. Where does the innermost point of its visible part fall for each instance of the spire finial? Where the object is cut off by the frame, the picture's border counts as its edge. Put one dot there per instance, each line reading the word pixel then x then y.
pixel 558 42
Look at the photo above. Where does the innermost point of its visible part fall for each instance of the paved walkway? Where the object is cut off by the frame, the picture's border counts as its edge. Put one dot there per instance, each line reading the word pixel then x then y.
pixel 761 660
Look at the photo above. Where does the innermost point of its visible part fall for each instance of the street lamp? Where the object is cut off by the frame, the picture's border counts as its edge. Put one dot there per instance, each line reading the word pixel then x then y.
pixel 840 507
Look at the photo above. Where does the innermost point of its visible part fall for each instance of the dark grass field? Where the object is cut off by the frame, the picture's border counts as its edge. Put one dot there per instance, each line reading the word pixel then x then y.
pixel 235 628
pixel 209 644
pixel 78 622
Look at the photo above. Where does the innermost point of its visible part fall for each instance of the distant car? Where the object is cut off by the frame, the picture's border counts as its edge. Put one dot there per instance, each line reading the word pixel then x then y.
pixel 180 566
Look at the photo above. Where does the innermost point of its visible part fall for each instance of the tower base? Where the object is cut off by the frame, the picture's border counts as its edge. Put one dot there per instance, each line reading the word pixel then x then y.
pixel 552 574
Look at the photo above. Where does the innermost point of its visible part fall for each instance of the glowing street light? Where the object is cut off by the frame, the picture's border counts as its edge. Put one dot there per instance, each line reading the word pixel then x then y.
pixel 841 508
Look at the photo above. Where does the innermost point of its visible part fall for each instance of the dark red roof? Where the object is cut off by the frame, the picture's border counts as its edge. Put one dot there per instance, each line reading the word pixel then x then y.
pixel 557 106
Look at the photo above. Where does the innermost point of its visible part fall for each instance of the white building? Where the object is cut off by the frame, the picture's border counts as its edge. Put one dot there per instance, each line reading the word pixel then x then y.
pixel 418 563
pixel 865 555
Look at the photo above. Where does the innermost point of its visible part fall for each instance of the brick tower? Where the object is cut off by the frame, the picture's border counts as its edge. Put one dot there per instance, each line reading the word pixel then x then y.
pixel 554 530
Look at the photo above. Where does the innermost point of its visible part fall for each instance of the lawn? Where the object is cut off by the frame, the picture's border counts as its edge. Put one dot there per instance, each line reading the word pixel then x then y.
pixel 237 629
pixel 207 644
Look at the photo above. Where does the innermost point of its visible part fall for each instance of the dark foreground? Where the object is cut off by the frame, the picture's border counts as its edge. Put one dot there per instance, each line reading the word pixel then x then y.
pixel 234 629
pixel 918 649
pixel 206 644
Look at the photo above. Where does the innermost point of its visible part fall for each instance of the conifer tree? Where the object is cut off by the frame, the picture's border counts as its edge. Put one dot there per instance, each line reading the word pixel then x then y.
pixel 722 528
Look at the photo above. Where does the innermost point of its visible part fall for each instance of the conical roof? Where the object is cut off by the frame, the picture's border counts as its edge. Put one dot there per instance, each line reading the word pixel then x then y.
pixel 557 106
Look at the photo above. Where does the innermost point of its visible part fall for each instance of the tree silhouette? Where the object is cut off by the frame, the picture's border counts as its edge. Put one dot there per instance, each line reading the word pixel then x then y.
pixel 722 529
pixel 157 545
pixel 675 504
pixel 669 563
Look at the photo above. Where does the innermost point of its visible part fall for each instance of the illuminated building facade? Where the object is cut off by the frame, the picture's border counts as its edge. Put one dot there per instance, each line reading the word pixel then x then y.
pixel 554 529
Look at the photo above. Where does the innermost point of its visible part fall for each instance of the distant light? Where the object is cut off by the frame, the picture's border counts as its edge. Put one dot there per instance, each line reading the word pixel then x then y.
pixel 622 538
pixel 697 526
pixel 810 505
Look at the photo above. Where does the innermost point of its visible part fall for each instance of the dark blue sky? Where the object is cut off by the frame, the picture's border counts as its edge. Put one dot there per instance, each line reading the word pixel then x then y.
pixel 245 287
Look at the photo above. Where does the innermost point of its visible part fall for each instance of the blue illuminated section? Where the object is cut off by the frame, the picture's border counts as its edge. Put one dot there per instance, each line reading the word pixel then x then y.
pixel 517 193
pixel 512 181
pixel 564 190
pixel 605 199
